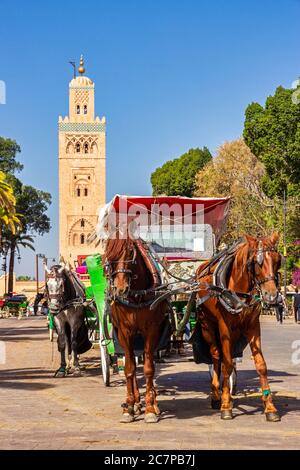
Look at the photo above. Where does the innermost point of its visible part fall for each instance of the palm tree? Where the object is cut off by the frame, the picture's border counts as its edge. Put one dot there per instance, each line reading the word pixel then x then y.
pixel 13 244
pixel 7 198
pixel 8 215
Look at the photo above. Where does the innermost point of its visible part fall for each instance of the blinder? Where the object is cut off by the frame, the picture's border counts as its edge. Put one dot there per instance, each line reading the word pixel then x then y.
pixel 259 259
pixel 110 273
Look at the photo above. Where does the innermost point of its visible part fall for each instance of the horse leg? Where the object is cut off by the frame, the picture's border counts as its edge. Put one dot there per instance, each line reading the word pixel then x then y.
pixel 137 398
pixel 61 343
pixel 69 357
pixel 152 411
pixel 126 342
pixel 74 347
pixel 215 383
pixel 210 338
pixel 227 368
pixel 254 339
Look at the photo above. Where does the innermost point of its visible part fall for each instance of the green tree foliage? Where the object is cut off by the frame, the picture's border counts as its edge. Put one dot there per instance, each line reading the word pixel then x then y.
pixel 237 173
pixel 178 177
pixel 30 202
pixel 24 278
pixel 14 242
pixel 8 151
pixel 273 134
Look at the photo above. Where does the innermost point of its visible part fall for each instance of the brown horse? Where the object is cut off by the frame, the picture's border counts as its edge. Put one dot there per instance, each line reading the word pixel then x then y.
pixel 251 274
pixel 132 277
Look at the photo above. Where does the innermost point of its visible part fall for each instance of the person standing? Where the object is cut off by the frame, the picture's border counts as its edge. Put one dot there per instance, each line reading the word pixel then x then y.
pixel 279 308
pixel 296 305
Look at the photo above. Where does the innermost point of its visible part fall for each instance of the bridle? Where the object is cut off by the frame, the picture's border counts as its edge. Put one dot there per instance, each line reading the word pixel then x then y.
pixel 111 272
pixel 58 296
pixel 257 258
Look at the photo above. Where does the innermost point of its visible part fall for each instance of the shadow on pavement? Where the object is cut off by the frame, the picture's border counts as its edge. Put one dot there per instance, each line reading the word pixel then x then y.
pixel 34 386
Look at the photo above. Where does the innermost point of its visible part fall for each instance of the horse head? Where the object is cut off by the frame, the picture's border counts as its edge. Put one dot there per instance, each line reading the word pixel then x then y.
pixel 55 286
pixel 119 262
pixel 263 264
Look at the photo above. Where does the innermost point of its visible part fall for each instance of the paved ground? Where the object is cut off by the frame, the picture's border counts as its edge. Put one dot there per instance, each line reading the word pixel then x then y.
pixel 38 411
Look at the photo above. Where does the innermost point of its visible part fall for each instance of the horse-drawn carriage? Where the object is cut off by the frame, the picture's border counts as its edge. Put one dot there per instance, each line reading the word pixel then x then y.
pixel 180 234
pixel 160 253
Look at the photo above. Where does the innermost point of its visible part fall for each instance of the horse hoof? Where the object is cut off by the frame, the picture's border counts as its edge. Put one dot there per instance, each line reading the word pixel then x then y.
pixel 151 418
pixel 77 373
pixel 137 409
pixel 127 418
pixel 60 373
pixel 215 404
pixel 226 414
pixel 272 417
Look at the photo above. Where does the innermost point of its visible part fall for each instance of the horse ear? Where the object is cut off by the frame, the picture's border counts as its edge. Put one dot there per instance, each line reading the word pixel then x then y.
pixel 46 268
pixel 274 238
pixel 61 269
pixel 251 240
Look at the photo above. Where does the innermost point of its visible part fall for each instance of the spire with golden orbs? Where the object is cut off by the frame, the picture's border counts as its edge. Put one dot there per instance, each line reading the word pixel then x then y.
pixel 81 68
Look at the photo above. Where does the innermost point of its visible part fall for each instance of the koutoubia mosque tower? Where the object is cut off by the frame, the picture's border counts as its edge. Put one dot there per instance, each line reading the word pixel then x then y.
pixel 82 153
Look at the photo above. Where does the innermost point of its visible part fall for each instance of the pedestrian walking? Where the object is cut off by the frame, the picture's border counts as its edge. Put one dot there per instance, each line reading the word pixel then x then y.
pixel 279 308
pixel 296 305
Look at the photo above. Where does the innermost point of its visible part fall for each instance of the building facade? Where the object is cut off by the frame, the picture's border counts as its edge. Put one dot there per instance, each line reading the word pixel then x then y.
pixel 82 154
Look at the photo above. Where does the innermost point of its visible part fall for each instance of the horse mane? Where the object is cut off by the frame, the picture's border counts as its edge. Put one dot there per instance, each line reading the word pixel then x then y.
pixel 114 248
pixel 241 259
pixel 114 251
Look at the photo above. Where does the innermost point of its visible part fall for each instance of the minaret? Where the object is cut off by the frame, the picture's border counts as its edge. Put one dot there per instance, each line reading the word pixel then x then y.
pixel 82 153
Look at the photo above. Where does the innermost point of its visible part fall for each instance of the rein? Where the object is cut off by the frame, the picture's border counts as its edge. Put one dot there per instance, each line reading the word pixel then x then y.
pixel 231 299
pixel 136 294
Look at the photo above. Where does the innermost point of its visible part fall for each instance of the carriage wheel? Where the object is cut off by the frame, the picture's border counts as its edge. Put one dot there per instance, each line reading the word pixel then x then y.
pixel 105 363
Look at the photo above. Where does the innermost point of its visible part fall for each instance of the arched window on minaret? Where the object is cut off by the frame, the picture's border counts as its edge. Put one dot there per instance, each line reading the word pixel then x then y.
pixel 94 147
pixel 85 191
pixel 78 192
pixel 78 147
pixel 82 223
pixel 77 109
pixel 86 148
pixel 82 239
pixel 85 109
pixel 70 148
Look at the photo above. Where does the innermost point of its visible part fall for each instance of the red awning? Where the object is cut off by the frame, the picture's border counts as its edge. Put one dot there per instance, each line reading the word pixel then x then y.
pixel 215 209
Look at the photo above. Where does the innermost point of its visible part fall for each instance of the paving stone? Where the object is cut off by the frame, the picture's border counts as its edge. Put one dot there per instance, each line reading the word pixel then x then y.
pixel 38 411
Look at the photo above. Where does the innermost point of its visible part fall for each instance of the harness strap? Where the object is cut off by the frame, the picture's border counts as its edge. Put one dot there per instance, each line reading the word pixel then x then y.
pixel 147 257
pixel 265 279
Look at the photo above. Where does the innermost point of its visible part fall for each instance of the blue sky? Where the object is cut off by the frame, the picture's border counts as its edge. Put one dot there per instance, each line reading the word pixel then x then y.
pixel 169 75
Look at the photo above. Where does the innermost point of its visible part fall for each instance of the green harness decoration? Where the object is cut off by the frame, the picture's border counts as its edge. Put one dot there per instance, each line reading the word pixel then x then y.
pixel 266 393
pixel 51 321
